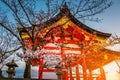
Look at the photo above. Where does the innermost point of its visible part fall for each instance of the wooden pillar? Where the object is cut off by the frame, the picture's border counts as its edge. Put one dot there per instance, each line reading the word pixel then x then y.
pixel 70 73
pixel 62 56
pixel 77 73
pixel 90 75
pixel 66 75
pixel 84 69
pixel 40 69
pixel 102 74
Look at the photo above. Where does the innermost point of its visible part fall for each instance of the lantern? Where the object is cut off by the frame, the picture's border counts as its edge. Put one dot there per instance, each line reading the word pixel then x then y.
pixel 11 69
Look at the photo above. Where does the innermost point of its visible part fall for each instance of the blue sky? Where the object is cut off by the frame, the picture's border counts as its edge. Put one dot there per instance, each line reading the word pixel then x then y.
pixel 111 20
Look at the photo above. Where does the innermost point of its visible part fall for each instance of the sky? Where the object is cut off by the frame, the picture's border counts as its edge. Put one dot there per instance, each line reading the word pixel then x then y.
pixel 110 20
pixel 110 24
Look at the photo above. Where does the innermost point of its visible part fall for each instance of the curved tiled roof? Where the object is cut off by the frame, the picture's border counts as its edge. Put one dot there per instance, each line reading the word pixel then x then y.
pixel 64 11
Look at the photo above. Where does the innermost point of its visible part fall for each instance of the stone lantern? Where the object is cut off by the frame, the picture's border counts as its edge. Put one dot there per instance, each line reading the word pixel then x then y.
pixel 59 71
pixel 11 68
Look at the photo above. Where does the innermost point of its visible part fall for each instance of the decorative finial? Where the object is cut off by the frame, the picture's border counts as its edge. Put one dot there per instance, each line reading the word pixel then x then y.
pixel 64 8
pixel 65 5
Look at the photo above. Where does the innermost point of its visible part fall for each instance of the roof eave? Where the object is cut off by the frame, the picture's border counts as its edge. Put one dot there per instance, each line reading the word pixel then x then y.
pixel 64 11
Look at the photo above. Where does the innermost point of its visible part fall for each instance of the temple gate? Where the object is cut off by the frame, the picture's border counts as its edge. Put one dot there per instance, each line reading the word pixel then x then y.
pixel 69 47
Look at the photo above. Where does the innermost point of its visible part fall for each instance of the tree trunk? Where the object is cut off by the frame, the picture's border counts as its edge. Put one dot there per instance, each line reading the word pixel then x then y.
pixel 27 72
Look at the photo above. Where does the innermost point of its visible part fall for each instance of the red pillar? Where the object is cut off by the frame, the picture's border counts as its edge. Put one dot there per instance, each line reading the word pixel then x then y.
pixel 77 73
pixel 90 75
pixel 67 75
pixel 84 69
pixel 102 74
pixel 71 73
pixel 40 69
